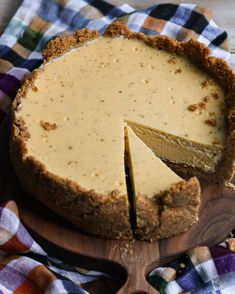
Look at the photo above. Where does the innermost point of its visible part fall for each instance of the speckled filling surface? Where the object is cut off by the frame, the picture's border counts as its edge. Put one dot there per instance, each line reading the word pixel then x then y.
pixel 88 93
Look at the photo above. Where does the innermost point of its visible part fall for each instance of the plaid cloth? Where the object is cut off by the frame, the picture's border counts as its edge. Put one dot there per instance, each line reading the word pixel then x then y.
pixel 24 266
pixel 202 270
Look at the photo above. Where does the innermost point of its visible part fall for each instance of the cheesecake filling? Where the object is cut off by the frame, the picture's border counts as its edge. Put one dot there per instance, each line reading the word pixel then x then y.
pixel 179 150
pixel 149 175
pixel 75 110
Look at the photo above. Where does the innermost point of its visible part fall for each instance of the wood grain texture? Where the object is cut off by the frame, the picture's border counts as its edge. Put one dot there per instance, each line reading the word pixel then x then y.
pixel 130 260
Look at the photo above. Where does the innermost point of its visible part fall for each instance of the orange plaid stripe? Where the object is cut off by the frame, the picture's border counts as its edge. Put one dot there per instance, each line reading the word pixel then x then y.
pixel 28 287
pixel 13 245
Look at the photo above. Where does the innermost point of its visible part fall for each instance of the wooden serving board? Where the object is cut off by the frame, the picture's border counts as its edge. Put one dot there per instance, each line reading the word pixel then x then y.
pixel 130 261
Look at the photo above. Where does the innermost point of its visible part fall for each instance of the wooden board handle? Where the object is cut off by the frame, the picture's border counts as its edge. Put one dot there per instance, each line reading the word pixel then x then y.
pixel 136 283
pixel 137 265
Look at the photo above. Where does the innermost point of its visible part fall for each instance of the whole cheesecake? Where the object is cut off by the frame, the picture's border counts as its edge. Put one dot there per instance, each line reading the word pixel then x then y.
pixel 69 119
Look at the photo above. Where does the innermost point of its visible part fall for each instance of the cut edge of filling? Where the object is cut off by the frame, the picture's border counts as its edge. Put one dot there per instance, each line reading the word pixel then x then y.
pixel 130 182
pixel 163 145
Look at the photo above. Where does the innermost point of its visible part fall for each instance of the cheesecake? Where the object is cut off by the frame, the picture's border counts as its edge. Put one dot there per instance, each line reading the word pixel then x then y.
pixel 69 118
pixel 163 203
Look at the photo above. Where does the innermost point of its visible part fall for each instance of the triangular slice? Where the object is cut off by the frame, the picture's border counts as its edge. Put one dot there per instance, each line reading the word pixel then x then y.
pixel 164 204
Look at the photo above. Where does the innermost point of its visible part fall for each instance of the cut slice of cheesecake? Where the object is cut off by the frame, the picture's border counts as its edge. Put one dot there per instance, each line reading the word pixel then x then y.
pixel 164 204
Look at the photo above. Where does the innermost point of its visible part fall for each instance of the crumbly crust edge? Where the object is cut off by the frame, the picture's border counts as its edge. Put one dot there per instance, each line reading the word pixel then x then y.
pixel 152 223
pixel 192 49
